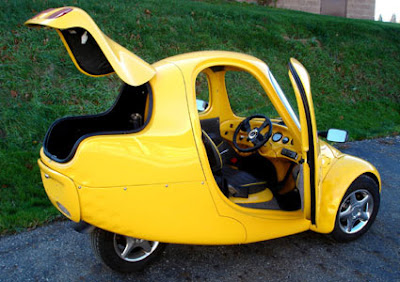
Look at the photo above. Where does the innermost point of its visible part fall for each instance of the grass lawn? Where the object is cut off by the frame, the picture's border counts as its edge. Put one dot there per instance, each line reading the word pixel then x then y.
pixel 353 65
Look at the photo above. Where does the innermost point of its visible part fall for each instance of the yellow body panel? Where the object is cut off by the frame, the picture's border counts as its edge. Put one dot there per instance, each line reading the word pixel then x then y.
pixel 260 224
pixel 129 67
pixel 162 153
pixel 177 213
pixel 169 151
pixel 61 191
pixel 157 183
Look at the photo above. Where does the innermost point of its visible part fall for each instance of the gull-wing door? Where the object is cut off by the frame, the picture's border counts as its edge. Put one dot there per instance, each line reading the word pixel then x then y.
pixel 310 147
pixel 92 52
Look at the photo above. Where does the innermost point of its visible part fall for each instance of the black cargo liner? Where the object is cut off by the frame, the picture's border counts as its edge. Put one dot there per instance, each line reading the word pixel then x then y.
pixel 65 134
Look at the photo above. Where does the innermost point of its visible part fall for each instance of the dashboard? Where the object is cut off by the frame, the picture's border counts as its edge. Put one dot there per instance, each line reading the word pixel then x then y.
pixel 280 145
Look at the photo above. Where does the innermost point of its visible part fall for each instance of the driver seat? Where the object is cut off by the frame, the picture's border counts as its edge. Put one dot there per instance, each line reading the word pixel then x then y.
pixel 232 182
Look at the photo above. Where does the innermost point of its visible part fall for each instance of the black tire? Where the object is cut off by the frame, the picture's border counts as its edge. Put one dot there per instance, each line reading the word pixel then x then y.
pixel 357 210
pixel 108 246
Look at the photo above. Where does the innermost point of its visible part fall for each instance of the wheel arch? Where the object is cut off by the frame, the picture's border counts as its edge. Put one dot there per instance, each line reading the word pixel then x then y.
pixel 341 175
pixel 375 177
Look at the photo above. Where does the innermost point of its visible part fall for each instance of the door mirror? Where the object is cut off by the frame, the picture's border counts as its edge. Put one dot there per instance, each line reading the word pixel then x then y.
pixel 337 135
pixel 201 105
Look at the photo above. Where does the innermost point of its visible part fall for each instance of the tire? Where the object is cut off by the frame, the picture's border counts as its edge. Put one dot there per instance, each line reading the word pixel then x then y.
pixel 114 251
pixel 357 210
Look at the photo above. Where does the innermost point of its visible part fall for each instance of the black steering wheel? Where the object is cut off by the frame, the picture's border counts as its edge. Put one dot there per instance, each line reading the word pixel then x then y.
pixel 253 135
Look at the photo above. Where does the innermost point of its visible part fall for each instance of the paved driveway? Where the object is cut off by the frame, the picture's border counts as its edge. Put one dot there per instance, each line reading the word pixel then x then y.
pixel 57 253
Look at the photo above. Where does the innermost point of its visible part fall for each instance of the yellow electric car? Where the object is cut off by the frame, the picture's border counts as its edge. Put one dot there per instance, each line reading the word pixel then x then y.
pixel 163 165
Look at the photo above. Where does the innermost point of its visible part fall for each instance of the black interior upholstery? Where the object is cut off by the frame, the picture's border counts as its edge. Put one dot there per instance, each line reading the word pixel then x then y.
pixel 259 167
pixel 125 116
pixel 246 175
pixel 214 157
pixel 88 54
pixel 239 183
pixel 211 126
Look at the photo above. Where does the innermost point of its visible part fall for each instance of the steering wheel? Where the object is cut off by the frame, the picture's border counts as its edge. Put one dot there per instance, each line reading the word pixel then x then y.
pixel 253 135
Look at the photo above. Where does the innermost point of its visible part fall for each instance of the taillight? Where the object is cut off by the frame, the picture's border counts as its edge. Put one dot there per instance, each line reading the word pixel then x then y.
pixel 60 13
pixel 43 12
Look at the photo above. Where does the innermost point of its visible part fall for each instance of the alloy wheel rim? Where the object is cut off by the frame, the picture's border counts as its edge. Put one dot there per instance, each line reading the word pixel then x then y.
pixel 355 211
pixel 133 249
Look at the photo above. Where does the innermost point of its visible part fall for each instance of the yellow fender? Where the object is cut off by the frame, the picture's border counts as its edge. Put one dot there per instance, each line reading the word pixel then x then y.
pixel 334 186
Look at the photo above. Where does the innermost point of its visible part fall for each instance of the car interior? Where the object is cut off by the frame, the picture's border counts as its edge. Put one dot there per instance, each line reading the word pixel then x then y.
pixel 245 171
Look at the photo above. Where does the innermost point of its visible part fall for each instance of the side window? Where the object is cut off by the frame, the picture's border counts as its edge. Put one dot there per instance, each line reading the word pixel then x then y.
pixel 202 92
pixel 246 95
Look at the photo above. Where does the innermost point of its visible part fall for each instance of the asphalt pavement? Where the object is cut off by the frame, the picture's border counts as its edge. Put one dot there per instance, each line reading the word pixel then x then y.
pixel 57 253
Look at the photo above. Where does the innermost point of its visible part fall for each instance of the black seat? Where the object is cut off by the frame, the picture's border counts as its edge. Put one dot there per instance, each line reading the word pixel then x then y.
pixel 232 181
pixel 241 183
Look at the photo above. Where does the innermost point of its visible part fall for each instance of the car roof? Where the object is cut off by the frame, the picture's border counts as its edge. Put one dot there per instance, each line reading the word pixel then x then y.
pixel 193 60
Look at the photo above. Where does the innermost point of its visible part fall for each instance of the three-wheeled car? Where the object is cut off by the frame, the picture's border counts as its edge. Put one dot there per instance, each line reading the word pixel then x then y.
pixel 163 165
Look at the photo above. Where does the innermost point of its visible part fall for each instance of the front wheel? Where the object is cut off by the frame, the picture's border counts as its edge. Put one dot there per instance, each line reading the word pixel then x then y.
pixel 358 209
pixel 122 253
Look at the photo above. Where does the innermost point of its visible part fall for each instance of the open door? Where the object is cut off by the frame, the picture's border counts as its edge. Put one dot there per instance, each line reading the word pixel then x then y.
pixel 310 146
pixel 92 52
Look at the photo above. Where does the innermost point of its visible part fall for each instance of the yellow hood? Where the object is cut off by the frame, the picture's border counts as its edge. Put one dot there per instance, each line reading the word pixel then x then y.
pixel 92 52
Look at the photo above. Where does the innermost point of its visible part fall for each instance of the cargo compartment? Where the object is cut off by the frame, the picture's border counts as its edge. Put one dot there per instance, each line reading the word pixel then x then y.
pixel 130 113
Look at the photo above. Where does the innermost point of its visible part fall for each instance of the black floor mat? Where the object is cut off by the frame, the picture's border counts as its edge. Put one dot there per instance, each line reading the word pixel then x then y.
pixel 290 201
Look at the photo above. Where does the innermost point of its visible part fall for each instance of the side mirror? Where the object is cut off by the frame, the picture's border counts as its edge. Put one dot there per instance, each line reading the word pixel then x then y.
pixel 201 105
pixel 337 135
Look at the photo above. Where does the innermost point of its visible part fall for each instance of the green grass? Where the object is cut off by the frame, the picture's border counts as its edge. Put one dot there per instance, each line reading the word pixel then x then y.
pixel 354 67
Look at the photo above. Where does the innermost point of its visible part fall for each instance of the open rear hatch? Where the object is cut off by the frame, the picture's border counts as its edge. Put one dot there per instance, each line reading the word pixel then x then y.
pixel 94 54
pixel 90 49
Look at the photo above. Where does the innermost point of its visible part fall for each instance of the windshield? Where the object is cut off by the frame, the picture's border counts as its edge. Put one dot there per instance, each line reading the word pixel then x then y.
pixel 284 99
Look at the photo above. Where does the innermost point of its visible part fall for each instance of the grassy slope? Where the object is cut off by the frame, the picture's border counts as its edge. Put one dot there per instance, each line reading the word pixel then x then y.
pixel 353 66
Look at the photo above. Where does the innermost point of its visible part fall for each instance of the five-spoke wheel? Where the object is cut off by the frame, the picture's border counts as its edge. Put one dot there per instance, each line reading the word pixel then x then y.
pixel 123 253
pixel 133 249
pixel 357 210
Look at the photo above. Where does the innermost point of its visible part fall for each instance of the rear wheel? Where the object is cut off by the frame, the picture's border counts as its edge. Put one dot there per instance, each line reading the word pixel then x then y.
pixel 123 253
pixel 358 209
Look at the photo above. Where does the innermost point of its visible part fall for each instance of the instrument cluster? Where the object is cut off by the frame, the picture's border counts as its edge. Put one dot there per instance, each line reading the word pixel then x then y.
pixel 279 136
